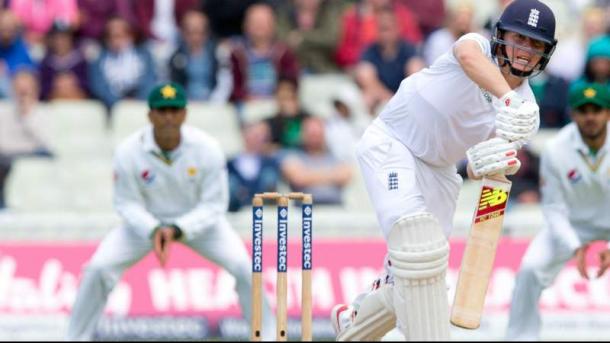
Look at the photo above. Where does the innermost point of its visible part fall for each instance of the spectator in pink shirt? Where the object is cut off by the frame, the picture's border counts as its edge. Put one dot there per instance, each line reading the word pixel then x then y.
pixel 38 17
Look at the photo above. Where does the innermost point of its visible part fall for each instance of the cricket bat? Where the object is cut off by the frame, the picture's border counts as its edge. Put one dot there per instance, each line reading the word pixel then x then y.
pixel 480 252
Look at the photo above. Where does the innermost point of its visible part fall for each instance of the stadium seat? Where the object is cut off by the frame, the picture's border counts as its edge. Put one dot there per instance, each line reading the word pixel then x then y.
pixel 61 184
pixel 257 110
pixel 318 91
pixel 218 120
pixel 355 195
pixel 127 117
pixel 78 129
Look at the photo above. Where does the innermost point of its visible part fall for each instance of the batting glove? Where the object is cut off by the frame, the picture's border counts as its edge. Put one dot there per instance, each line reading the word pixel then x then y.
pixel 517 119
pixel 493 156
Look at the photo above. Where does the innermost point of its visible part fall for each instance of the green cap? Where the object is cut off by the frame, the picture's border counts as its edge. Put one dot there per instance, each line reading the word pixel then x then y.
pixel 582 93
pixel 168 94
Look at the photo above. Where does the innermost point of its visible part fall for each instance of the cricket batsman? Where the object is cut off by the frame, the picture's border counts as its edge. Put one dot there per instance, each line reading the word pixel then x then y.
pixel 474 101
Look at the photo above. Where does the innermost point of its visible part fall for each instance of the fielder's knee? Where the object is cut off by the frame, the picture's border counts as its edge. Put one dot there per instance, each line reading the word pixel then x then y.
pixel 104 275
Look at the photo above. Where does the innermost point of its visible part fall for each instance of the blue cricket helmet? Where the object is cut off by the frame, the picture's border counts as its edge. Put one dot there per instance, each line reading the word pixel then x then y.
pixel 530 18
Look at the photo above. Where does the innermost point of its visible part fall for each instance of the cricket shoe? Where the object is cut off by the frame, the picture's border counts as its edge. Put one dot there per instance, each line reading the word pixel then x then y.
pixel 341 317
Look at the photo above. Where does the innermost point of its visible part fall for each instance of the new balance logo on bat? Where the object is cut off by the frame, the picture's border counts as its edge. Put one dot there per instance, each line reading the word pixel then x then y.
pixel 492 197
pixel 492 203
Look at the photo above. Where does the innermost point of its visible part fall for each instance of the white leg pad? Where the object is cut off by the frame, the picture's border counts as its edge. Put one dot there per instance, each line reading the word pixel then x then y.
pixel 419 253
pixel 374 317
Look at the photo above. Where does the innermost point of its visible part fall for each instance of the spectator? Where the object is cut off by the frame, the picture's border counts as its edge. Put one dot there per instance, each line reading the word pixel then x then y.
pixel 122 70
pixel 286 123
pixel 196 63
pixel 551 94
pixel 314 170
pixel 430 14
pixel 158 22
pixel 21 128
pixel 259 60
pixel 526 181
pixel 569 56
pixel 253 170
pixel 344 128
pixel 227 16
pixel 359 28
pixel 93 14
pixel 63 71
pixel 597 64
pixel 5 81
pixel 38 17
pixel 311 30
pixel 13 50
pixel 459 22
pixel 386 62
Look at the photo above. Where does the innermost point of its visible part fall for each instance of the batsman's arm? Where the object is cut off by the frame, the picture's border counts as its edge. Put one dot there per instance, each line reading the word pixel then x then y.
pixel 554 207
pixel 128 200
pixel 213 197
pixel 478 67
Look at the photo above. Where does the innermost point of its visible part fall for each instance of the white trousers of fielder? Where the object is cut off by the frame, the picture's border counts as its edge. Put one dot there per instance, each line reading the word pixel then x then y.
pixel 122 248
pixel 544 259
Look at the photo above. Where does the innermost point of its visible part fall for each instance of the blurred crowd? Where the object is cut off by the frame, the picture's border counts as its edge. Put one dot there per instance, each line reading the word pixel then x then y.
pixel 237 51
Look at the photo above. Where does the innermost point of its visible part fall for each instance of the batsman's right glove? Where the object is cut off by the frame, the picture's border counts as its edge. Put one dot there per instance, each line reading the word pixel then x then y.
pixel 517 119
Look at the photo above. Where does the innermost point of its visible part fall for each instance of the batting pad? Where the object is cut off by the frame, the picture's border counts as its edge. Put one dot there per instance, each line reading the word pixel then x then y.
pixel 374 317
pixel 418 252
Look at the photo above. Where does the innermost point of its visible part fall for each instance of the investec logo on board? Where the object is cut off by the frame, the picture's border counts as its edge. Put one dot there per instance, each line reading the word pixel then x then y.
pixel 257 240
pixel 282 239
pixel 306 237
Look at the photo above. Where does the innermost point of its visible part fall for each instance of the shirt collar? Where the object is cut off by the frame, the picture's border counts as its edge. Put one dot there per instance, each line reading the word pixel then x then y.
pixel 580 144
pixel 150 145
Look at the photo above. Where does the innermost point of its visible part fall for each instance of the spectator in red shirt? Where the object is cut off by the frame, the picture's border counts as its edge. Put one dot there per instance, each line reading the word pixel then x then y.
pixel 259 60
pixel 359 28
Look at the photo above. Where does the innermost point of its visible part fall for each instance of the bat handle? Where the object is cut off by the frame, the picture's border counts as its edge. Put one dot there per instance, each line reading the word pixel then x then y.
pixel 497 177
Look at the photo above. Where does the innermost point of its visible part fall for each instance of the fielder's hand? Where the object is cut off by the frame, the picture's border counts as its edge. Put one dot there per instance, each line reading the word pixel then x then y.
pixel 493 156
pixel 604 262
pixel 162 239
pixel 581 261
pixel 517 119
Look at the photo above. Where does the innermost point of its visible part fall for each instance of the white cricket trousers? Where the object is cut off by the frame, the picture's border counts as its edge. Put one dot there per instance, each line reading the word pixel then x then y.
pixel 542 262
pixel 122 248
pixel 401 184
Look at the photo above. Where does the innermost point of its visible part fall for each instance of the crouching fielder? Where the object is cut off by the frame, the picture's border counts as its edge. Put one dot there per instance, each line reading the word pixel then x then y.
pixel 475 97
pixel 575 177
pixel 170 185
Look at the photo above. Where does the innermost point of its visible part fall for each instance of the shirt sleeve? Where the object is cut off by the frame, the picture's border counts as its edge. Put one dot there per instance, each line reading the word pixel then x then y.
pixel 554 206
pixel 129 202
pixel 482 41
pixel 213 198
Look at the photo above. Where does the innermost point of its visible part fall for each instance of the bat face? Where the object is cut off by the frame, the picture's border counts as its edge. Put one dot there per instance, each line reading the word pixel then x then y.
pixel 480 252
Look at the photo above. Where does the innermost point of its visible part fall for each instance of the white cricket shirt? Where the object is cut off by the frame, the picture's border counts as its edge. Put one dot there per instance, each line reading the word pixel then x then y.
pixel 575 186
pixel 438 112
pixel 189 190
